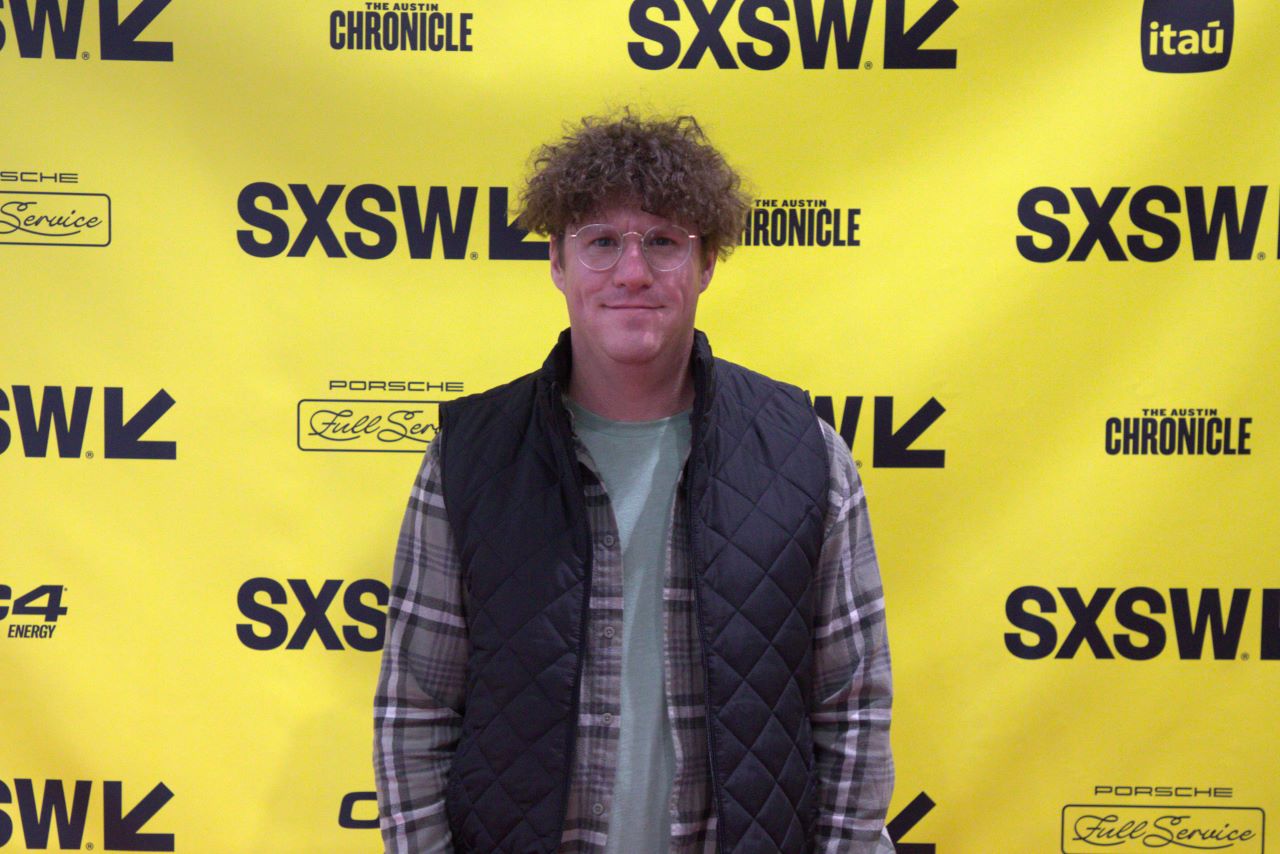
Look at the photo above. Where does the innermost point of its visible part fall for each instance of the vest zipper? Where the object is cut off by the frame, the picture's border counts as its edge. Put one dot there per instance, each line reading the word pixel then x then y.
pixel 582 532
pixel 695 564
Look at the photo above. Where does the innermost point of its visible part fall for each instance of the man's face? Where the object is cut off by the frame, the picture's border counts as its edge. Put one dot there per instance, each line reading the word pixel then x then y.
pixel 629 314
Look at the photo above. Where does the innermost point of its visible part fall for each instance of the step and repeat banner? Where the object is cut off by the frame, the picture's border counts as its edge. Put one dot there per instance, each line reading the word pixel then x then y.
pixel 1025 256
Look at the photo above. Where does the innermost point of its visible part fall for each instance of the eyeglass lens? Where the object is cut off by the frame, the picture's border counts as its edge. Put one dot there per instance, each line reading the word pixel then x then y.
pixel 665 247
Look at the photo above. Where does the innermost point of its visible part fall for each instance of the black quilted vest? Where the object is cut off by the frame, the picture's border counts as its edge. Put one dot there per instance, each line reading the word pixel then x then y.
pixel 756 484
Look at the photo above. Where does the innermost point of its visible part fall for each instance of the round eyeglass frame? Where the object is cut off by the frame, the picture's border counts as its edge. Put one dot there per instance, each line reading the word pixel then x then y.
pixel 644 249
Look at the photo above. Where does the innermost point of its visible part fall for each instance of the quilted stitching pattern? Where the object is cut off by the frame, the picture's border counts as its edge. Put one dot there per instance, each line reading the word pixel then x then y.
pixel 762 513
pixel 757 490
pixel 506 793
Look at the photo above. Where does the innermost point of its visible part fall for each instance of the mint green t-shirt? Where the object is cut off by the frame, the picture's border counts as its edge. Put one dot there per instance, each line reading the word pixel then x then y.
pixel 639 463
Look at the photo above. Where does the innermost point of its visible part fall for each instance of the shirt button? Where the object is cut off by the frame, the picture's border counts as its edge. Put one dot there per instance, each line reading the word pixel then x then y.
pixel 608 718
pixel 608 631
pixel 609 540
pixel 597 809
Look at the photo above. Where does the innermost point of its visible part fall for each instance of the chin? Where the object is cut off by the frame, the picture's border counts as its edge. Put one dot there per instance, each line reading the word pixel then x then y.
pixel 633 352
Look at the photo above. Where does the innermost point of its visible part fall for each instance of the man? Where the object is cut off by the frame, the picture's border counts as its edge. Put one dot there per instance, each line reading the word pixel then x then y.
pixel 636 606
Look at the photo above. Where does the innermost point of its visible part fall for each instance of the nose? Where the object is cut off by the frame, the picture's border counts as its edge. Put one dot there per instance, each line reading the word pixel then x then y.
pixel 632 269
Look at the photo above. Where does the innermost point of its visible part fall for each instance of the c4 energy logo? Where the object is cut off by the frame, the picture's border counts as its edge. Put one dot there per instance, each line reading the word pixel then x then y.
pixel 1182 36
pixel 890 448
pixel 766 34
pixel 419 27
pixel 800 222
pixel 280 627
pixel 121 437
pixel 1214 626
pixel 21 610
pixel 351 818
pixel 1180 432
pixel 118 38
pixel 50 814
pixel 1163 220
pixel 423 222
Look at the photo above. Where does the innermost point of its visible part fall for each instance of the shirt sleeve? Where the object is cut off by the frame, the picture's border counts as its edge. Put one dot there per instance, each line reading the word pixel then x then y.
pixel 419 700
pixel 852 682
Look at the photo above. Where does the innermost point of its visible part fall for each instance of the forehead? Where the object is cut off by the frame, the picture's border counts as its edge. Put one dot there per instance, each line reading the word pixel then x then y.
pixel 625 217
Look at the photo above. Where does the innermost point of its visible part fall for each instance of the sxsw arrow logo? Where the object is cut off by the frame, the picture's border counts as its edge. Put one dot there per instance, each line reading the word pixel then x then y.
pixel 121 436
pixel 908 818
pixel 119 38
pixel 121 830
pixel 890 448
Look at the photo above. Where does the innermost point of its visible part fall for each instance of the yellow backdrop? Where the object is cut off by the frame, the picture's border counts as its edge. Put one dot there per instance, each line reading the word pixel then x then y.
pixel 1024 254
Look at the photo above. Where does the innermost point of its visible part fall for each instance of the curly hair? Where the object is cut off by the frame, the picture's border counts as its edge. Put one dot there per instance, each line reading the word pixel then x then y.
pixel 665 166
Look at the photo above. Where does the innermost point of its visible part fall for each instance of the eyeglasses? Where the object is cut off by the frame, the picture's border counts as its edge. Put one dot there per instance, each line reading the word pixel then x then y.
pixel 665 247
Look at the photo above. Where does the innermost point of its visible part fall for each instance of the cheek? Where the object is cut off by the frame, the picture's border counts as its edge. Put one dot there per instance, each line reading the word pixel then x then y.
pixel 581 295
pixel 689 295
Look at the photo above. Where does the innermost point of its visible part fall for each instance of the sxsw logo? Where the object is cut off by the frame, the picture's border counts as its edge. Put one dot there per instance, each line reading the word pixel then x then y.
pixel 427 222
pixel 1182 36
pixel 1212 627
pixel 818 28
pixel 1163 219
pixel 118 38
pixel 50 814
pixel 121 436
pixel 282 625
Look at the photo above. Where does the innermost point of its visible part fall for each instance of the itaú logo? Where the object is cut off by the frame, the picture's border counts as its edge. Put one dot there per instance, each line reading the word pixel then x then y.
pixel 1186 36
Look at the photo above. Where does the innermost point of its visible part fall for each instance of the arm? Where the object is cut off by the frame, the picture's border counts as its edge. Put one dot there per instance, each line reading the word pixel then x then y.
pixel 418 706
pixel 852 683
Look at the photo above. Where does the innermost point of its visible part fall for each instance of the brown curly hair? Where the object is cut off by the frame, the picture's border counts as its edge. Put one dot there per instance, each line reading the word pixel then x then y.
pixel 665 165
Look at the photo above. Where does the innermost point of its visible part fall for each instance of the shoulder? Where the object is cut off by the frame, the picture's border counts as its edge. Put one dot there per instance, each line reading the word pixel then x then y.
pixel 493 397
pixel 844 484
pixel 486 416
pixel 749 398
pixel 740 378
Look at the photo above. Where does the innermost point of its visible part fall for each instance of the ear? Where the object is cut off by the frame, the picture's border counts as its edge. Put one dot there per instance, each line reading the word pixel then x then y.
pixel 556 251
pixel 708 267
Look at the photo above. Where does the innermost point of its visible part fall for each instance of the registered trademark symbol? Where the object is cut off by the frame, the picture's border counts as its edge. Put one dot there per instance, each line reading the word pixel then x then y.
pixel 85 55
pixel 1244 656
pixel 475 256
pixel 858 463
pixel 89 846
pixel 88 455
pixel 1262 256
pixel 869 65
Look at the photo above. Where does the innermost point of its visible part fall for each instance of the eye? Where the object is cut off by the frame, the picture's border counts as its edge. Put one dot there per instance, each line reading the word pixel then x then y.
pixel 666 238
pixel 603 241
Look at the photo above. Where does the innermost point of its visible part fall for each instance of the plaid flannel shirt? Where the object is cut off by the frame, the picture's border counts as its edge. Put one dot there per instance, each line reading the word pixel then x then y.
pixel 420 694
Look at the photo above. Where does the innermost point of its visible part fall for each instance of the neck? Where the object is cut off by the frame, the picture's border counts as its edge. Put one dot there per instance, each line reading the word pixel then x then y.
pixel 624 392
